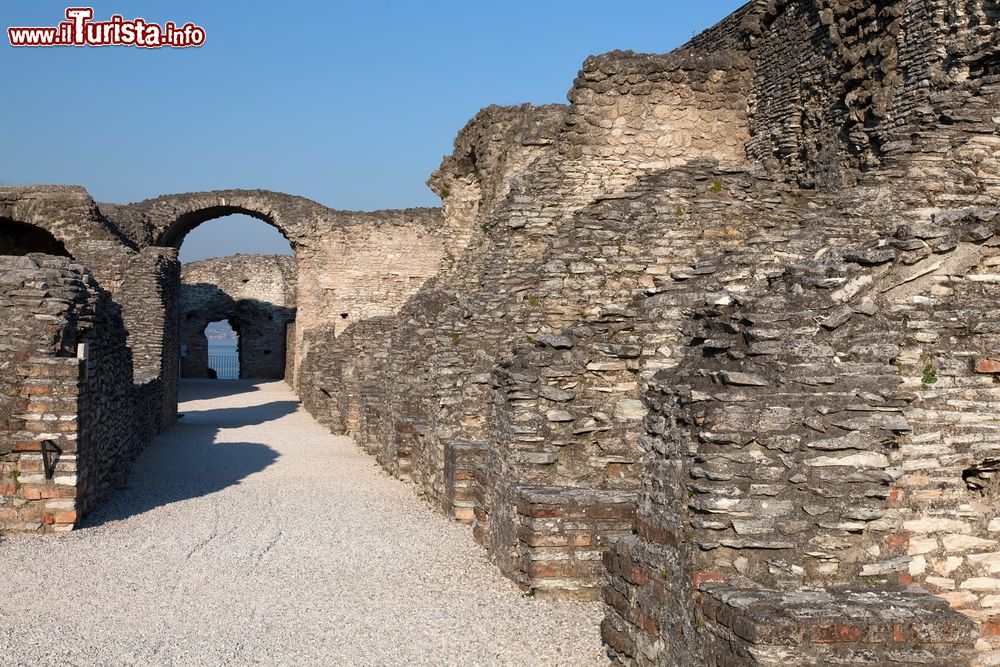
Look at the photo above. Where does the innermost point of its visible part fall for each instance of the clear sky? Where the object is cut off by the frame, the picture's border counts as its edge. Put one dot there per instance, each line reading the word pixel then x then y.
pixel 351 104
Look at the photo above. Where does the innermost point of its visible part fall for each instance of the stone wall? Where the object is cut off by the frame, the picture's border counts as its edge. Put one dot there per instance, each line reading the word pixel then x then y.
pixel 703 338
pixel 144 285
pixel 256 293
pixel 67 396
pixel 658 111
pixel 715 342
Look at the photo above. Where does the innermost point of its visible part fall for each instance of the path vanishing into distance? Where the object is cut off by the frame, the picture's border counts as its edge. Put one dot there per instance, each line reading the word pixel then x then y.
pixel 248 534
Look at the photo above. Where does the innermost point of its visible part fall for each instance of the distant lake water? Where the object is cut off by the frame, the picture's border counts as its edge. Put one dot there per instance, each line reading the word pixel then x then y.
pixel 222 358
pixel 222 347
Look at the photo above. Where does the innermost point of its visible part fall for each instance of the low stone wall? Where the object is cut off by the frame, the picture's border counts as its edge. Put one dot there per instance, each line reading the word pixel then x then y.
pixel 761 627
pixel 769 628
pixel 561 537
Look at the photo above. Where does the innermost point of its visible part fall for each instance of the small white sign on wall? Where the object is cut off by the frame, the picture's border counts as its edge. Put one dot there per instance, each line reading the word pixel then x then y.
pixel 83 354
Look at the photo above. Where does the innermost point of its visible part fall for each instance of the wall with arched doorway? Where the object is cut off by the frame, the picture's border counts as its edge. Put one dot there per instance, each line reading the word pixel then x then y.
pixel 347 267
pixel 256 293
pixel 350 265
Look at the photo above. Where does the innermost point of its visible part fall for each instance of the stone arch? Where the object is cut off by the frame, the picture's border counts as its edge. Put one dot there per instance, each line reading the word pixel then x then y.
pixel 67 214
pixel 169 218
pixel 22 238
pixel 176 232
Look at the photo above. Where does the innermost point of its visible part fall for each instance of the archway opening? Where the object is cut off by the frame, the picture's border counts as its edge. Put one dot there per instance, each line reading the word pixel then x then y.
pixel 223 341
pixel 19 238
pixel 236 217
pixel 201 236
pixel 241 270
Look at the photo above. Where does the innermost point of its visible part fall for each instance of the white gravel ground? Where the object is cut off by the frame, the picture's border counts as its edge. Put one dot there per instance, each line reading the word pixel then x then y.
pixel 250 535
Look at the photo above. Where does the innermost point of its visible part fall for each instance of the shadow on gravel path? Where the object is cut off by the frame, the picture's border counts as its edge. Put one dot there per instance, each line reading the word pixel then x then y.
pixel 188 461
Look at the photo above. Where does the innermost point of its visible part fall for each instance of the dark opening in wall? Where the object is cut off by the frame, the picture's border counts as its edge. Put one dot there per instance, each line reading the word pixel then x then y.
pixel 343 316
pixel 18 238
pixel 984 478
pixel 223 350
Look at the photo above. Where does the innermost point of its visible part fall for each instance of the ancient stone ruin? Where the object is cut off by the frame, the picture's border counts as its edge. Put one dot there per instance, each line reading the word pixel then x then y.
pixel 255 294
pixel 717 343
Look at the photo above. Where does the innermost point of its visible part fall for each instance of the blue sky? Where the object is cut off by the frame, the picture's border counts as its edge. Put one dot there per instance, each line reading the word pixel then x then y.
pixel 350 104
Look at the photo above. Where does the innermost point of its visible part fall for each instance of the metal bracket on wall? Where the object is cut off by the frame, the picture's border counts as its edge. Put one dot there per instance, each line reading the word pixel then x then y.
pixel 50 455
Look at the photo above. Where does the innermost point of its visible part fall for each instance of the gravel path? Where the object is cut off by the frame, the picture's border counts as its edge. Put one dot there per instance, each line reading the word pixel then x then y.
pixel 250 535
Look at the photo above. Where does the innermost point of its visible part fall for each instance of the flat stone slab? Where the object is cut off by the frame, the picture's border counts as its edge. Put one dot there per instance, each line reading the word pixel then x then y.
pixel 864 627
